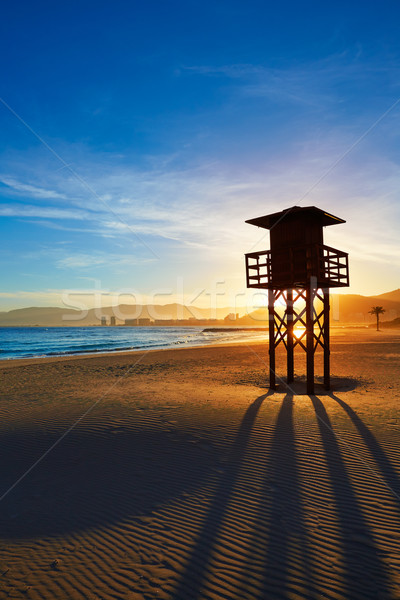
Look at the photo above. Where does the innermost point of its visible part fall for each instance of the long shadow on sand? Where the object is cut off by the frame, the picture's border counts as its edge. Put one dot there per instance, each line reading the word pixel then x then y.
pixel 94 477
pixel 365 574
pixel 196 569
pixel 277 561
pixel 280 535
pixel 385 467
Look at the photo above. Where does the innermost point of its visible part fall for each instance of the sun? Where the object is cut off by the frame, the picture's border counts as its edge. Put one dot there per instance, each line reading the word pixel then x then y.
pixel 298 331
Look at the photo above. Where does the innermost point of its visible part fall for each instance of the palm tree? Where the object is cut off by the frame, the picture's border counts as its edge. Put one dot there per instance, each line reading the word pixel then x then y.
pixel 377 310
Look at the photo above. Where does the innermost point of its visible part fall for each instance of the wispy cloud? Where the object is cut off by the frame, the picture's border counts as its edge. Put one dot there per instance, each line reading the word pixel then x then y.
pixel 64 226
pixel 88 261
pixel 47 212
pixel 31 190
pixel 206 207
pixel 317 83
pixel 196 215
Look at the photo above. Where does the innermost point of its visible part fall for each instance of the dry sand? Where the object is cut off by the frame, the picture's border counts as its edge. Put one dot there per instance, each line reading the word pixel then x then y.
pixel 185 478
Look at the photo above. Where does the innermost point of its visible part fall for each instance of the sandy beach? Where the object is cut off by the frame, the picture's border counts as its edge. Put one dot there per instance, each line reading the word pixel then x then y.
pixel 177 474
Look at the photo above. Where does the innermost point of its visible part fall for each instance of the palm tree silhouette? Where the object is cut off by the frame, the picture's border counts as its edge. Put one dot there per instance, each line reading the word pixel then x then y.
pixel 377 310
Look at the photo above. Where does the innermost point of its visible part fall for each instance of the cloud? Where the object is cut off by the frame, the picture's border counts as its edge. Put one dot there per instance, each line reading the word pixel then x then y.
pixel 206 207
pixel 194 217
pixel 32 190
pixel 320 84
pixel 60 226
pixel 26 210
pixel 83 261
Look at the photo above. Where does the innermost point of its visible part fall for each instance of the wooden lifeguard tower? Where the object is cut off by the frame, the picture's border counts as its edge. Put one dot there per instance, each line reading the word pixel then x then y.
pixel 298 268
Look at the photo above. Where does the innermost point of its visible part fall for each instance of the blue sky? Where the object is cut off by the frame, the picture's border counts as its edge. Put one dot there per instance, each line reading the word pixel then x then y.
pixel 137 137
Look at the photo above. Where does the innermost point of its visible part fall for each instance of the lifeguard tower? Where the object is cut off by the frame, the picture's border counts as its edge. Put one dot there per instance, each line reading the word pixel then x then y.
pixel 298 269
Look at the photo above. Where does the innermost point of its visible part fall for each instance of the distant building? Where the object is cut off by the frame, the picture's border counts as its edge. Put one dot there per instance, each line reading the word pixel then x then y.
pixel 103 321
pixel 144 322
pixel 231 317
pixel 112 322
pixel 131 322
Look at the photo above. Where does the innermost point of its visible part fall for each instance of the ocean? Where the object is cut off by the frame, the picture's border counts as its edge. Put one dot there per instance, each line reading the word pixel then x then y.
pixel 30 342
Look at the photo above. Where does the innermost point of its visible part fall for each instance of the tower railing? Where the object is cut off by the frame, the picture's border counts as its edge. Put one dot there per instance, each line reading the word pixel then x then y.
pixel 333 266
pixel 296 266
pixel 258 269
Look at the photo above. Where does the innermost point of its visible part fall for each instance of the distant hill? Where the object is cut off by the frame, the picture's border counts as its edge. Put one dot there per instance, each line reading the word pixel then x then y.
pixel 353 308
pixel 59 317
pixel 395 296
pixel 395 324
pixel 36 315
pixel 345 308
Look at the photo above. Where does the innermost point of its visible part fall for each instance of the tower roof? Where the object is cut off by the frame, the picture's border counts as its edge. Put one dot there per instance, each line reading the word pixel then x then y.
pixel 297 212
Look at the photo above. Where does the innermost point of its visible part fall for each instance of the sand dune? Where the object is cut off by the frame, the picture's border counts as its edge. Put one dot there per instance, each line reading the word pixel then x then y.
pixel 188 479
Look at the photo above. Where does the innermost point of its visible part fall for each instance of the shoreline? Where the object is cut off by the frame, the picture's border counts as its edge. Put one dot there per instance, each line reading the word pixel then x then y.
pixel 375 337
pixel 124 353
pixel 59 347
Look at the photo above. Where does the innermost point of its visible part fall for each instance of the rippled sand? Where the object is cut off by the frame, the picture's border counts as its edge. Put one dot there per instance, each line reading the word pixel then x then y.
pixel 179 475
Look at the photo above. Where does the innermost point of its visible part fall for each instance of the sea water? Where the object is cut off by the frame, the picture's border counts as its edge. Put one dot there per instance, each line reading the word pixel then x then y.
pixel 29 342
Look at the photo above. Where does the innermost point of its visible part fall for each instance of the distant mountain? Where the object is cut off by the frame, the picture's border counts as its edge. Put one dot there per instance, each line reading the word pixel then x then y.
pixel 345 308
pixel 59 317
pixel 395 296
pixel 36 315
pixel 395 324
pixel 352 308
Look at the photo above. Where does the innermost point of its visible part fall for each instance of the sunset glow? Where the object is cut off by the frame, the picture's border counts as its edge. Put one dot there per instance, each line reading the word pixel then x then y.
pixel 298 331
pixel 133 151
pixel 200 300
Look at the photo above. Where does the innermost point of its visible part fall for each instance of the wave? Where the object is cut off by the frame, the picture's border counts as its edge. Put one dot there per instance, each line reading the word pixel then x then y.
pixel 79 341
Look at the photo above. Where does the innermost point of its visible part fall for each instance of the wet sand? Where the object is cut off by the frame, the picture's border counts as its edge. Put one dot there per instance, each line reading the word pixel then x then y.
pixel 177 474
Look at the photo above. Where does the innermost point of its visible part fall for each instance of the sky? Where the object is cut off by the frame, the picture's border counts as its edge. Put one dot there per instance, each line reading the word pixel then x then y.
pixel 137 138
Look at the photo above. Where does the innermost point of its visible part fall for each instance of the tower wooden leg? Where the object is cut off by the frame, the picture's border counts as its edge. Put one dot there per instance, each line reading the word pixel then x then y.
pixel 289 338
pixel 271 321
pixel 310 338
pixel 327 377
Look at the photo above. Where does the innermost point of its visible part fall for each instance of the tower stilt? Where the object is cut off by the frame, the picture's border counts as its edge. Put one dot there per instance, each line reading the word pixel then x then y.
pixel 271 322
pixel 310 338
pixel 289 339
pixel 327 379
